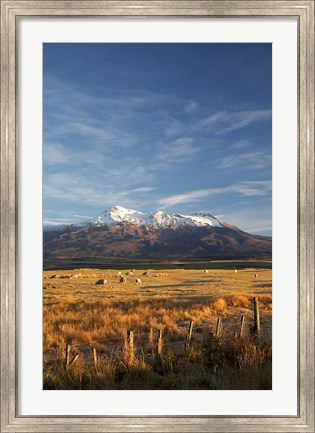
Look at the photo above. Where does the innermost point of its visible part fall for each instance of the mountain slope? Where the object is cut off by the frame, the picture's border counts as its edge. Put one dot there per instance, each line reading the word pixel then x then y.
pixel 125 233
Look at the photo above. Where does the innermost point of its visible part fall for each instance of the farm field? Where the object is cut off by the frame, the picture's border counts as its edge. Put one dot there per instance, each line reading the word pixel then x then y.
pixel 176 329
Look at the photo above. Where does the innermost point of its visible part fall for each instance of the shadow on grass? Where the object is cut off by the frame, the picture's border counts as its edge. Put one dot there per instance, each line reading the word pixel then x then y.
pixel 185 284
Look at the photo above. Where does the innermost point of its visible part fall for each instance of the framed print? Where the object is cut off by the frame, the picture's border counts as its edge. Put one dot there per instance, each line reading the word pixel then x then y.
pixel 157 216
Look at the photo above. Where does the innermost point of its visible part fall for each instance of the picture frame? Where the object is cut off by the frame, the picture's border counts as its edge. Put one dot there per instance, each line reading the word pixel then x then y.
pixel 11 11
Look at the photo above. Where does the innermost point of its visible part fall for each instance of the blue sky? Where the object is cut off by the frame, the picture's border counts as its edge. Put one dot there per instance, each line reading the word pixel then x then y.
pixel 177 127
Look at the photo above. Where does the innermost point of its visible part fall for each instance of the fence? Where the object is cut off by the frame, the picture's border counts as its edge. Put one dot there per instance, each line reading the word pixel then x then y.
pixel 156 342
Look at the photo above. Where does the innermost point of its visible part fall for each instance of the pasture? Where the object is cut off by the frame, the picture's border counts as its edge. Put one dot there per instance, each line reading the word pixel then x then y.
pixel 127 334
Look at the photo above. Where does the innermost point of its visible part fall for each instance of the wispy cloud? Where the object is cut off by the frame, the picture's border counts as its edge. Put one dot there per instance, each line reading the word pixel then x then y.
pixel 57 221
pixel 250 160
pixel 173 127
pixel 149 135
pixel 226 121
pixel 128 172
pixel 78 215
pixel 56 153
pixel 191 106
pixel 178 149
pixel 95 191
pixel 240 144
pixel 67 214
pixel 91 113
pixel 143 189
pixel 187 197
pixel 258 188
pixel 252 188
pixel 251 219
pixel 97 120
pixel 68 218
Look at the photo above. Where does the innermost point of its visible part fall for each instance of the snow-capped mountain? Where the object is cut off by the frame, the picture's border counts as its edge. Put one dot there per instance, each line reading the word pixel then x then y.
pixel 120 233
pixel 160 219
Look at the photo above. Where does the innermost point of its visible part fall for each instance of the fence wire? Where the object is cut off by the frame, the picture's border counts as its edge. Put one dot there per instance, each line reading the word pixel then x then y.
pixel 145 343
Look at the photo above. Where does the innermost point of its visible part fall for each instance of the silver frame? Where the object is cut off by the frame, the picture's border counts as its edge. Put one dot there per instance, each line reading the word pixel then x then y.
pixel 10 12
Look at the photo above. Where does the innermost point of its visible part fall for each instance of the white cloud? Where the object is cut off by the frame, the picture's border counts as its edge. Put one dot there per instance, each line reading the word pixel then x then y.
pixel 55 153
pixel 225 121
pixel 115 146
pixel 96 120
pixel 173 127
pixel 57 221
pixel 184 198
pixel 105 119
pixel 78 215
pixel 248 189
pixel 252 220
pixel 178 149
pixel 68 218
pixel 252 160
pixel 191 106
pixel 252 188
pixel 143 189
pixel 90 190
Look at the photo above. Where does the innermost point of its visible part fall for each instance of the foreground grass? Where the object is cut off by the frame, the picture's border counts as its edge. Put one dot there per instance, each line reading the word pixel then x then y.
pixel 85 315
pixel 222 365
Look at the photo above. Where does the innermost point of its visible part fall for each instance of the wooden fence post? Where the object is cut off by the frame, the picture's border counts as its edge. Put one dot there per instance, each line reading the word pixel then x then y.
pixel 159 348
pixel 256 318
pixel 188 336
pixel 68 353
pixel 151 336
pixel 160 343
pixel 94 358
pixel 130 347
pixel 74 359
pixel 218 328
pixel 241 335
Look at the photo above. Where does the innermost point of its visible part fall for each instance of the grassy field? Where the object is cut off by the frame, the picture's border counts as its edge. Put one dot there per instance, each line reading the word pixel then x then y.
pixel 86 316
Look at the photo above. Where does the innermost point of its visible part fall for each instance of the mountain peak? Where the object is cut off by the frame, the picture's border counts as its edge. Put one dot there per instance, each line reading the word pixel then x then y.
pixel 203 214
pixel 122 233
pixel 117 215
pixel 121 209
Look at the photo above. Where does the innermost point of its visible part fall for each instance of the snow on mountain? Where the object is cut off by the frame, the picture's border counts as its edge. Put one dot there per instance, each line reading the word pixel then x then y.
pixel 118 214
pixel 160 219
pixel 203 219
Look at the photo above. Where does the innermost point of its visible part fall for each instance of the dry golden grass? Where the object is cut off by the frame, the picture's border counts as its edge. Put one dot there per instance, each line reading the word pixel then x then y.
pixel 78 312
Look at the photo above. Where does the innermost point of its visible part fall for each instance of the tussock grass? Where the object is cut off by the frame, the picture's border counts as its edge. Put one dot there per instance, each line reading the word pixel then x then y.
pixel 77 312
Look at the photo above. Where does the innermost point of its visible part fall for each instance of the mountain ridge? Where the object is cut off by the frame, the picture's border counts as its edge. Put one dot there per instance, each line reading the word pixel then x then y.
pixel 126 233
pixel 159 218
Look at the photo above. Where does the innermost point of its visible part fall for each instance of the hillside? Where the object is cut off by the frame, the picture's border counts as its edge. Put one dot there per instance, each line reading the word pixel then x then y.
pixel 124 233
